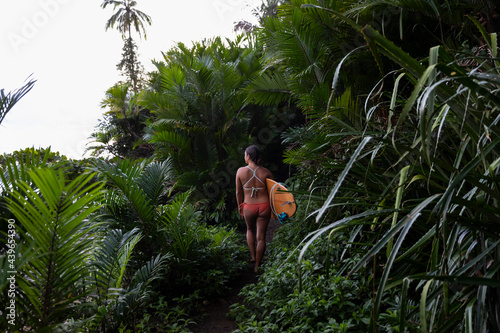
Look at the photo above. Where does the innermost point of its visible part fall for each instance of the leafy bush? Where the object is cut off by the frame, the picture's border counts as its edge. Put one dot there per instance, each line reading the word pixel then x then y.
pixel 79 260
pixel 305 297
pixel 206 258
pixel 202 259
pixel 118 294
pixel 54 235
pixel 409 166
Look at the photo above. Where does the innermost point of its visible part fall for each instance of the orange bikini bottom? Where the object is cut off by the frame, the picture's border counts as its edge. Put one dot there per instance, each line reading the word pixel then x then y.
pixel 260 209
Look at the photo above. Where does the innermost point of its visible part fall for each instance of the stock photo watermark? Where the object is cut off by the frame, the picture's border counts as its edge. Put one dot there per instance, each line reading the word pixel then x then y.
pixel 30 26
pixel 10 309
pixel 223 7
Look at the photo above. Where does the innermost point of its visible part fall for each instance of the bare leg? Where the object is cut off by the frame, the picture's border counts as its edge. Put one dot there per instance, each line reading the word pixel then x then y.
pixel 262 223
pixel 251 244
pixel 256 231
pixel 250 219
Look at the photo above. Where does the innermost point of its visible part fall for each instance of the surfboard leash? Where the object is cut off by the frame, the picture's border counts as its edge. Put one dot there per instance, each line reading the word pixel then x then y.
pixel 283 216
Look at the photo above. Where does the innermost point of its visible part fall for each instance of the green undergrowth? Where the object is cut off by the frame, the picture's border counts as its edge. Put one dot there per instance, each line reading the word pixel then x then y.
pixel 312 296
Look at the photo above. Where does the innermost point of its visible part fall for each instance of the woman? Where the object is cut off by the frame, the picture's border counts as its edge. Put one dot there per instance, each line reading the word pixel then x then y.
pixel 253 202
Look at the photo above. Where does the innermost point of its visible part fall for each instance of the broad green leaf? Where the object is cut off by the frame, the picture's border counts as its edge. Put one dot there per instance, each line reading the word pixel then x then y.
pixel 341 178
pixel 403 176
pixel 423 307
pixel 54 214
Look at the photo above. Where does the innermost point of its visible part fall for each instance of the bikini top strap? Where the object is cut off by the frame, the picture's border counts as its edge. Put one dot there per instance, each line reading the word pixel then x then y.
pixel 253 189
pixel 254 176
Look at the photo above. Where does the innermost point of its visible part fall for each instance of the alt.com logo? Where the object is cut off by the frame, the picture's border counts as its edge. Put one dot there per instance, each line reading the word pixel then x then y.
pixel 30 27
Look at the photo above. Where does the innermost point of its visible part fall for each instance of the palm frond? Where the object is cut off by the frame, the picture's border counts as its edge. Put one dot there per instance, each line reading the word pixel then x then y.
pixel 111 258
pixel 154 179
pixel 53 214
pixel 7 101
pixel 268 89
pixel 124 177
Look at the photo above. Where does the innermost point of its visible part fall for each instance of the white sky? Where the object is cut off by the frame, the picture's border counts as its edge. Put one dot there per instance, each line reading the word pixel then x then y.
pixel 63 45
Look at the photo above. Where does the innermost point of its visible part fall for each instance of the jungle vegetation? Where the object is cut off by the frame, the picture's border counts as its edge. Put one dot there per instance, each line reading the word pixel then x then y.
pixel 382 118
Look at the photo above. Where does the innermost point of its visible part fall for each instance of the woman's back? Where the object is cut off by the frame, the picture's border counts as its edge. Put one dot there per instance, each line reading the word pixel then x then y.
pixel 253 182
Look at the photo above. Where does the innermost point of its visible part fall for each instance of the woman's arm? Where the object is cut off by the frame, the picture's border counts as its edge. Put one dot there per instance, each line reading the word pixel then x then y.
pixel 269 174
pixel 239 190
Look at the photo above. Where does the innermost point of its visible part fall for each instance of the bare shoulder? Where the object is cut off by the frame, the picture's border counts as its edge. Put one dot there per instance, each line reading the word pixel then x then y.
pixel 266 172
pixel 241 171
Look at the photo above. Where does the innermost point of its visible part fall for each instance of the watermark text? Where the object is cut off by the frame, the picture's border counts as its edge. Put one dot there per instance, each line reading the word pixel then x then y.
pixel 29 27
pixel 11 259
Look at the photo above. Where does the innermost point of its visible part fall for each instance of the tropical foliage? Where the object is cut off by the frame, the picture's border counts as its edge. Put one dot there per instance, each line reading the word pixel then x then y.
pixel 204 119
pixel 56 236
pixel 120 132
pixel 7 101
pixel 52 232
pixel 381 116
pixel 126 17
pixel 414 171
pixel 94 250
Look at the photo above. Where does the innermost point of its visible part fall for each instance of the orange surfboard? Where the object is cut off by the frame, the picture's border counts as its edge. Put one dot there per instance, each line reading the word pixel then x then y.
pixel 281 200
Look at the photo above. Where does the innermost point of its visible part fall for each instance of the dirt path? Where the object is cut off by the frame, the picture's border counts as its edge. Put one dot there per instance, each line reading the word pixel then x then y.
pixel 215 320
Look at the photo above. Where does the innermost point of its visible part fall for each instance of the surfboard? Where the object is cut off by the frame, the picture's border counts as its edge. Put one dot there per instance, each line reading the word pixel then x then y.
pixel 282 201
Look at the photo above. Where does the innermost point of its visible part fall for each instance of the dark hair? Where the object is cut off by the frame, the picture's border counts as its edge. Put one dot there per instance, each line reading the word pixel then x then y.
pixel 254 153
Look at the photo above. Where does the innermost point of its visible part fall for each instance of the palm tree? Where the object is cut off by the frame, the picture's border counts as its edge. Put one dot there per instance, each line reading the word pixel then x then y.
pixel 114 135
pixel 119 294
pixel 125 19
pixel 54 240
pixel 201 112
pixel 136 191
pixel 121 131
